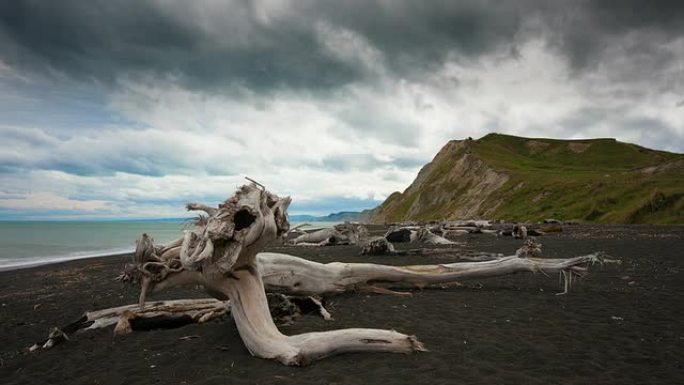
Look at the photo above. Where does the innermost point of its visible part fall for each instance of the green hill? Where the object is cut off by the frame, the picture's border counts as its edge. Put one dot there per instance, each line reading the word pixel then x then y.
pixel 513 178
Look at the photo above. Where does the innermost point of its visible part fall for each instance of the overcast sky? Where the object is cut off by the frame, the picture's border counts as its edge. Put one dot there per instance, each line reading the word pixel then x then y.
pixel 131 108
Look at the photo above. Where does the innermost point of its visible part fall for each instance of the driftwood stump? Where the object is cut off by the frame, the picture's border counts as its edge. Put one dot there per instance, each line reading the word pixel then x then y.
pixel 223 254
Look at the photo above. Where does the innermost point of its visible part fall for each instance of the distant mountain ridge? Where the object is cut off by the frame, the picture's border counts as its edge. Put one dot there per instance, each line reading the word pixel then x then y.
pixel 342 216
pixel 515 178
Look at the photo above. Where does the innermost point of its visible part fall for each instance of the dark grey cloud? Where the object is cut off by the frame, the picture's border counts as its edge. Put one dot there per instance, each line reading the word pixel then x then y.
pixel 586 118
pixel 216 45
pixel 584 30
pixel 659 133
pixel 419 35
pixel 101 40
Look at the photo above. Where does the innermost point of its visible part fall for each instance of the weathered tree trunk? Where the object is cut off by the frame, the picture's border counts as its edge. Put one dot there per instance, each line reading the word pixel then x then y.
pixel 296 276
pixel 221 254
pixel 287 274
pixel 427 236
pixel 341 234
pixel 416 234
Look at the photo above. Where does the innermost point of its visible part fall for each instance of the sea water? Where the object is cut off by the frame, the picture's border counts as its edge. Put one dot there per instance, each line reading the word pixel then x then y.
pixel 29 243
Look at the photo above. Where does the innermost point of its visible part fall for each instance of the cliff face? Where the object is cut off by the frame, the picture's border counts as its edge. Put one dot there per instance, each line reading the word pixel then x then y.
pixel 513 178
pixel 455 184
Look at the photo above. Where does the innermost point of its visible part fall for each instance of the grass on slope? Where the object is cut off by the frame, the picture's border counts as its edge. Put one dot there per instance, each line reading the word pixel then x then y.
pixel 597 180
pixel 513 153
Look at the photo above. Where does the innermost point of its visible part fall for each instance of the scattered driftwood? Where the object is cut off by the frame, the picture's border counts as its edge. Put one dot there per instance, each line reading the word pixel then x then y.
pixel 464 227
pixel 341 234
pixel 222 253
pixel 402 234
pixel 519 231
pixel 416 234
pixel 159 315
pixel 287 274
pixel 285 308
pixel 530 249
pixel 453 230
pixel 378 246
pixel 477 223
pixel 454 254
pixel 177 313
pixel 430 238
pixel 381 246
pixel 296 231
pixel 222 256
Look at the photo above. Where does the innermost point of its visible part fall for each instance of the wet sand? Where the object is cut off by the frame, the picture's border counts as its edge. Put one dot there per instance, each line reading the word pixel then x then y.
pixel 624 324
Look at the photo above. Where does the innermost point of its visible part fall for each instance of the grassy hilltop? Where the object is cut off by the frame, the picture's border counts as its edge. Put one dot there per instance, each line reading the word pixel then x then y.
pixel 514 178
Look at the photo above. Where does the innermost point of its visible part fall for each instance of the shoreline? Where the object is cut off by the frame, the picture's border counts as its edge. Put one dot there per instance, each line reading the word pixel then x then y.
pixel 672 229
pixel 10 262
pixel 58 263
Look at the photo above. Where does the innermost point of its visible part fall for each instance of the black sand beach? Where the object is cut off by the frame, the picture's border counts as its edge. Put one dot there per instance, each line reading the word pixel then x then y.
pixel 622 325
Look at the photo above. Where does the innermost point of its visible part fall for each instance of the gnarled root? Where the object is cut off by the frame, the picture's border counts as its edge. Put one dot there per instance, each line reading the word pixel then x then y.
pixel 223 254
pixel 263 339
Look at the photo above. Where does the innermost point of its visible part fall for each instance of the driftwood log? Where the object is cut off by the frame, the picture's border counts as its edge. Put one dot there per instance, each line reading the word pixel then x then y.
pixel 177 313
pixel 159 315
pixel 223 254
pixel 416 234
pixel 291 275
pixel 341 234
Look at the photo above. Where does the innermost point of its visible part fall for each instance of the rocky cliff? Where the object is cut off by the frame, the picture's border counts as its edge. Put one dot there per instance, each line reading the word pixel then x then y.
pixel 514 178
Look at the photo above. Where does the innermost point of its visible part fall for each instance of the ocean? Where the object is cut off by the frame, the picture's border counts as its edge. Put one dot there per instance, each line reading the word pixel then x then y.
pixel 29 243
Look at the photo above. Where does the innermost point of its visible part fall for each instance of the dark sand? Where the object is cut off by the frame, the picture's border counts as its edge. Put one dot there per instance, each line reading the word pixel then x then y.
pixel 622 325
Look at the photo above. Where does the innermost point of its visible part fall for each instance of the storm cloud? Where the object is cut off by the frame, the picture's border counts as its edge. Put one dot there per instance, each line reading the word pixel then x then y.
pixel 259 45
pixel 110 100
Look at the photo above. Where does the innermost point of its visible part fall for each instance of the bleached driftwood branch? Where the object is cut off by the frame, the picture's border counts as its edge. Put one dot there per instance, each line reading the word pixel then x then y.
pixel 161 314
pixel 222 253
pixel 172 314
pixel 296 276
pixel 341 234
